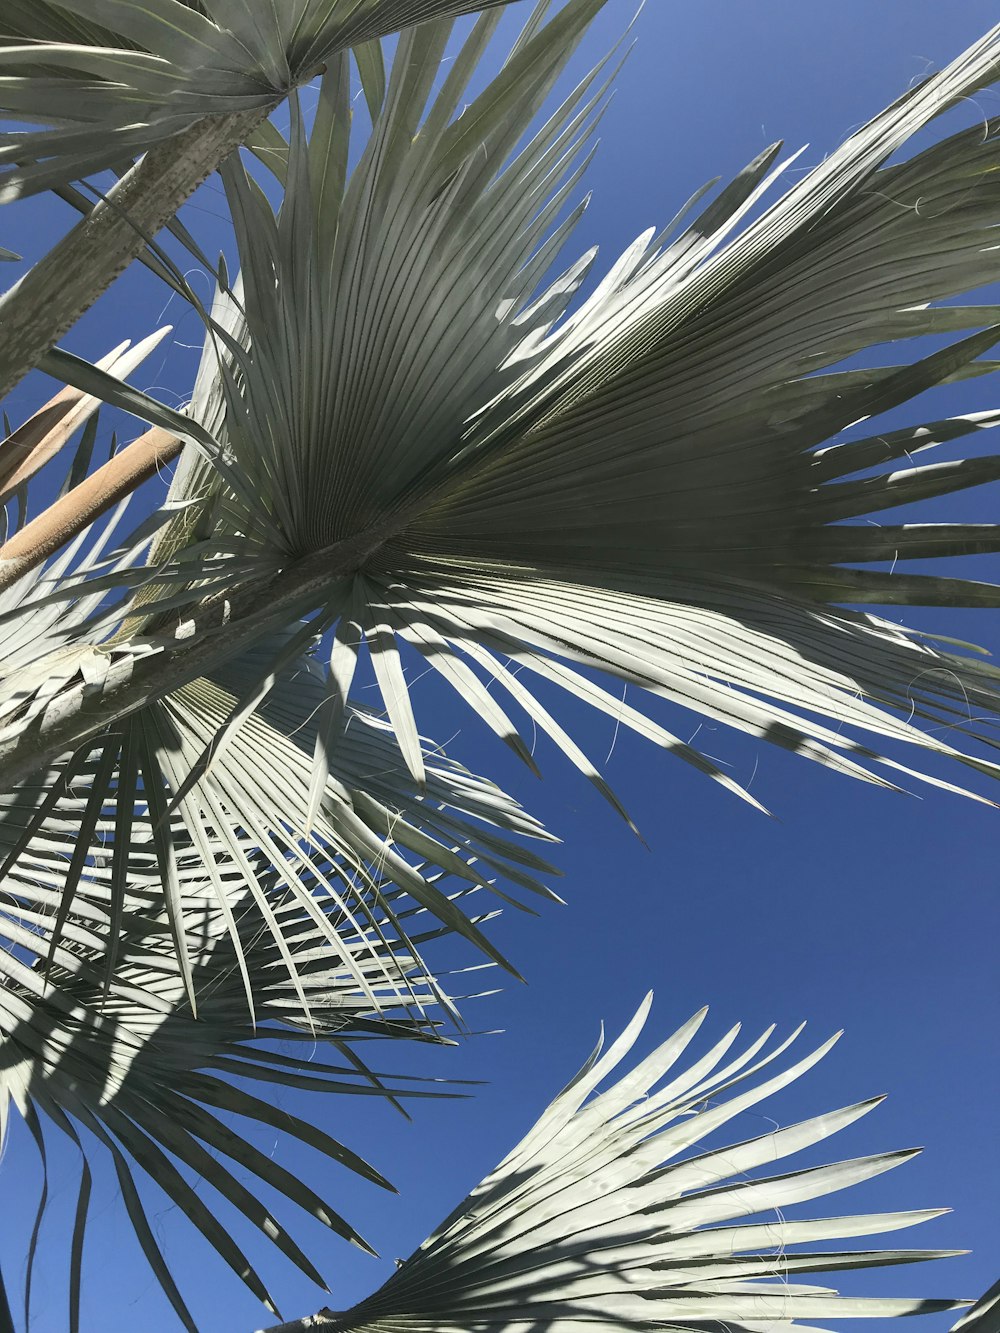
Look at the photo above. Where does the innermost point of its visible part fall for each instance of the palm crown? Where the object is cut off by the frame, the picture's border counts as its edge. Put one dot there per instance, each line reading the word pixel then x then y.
pixel 407 436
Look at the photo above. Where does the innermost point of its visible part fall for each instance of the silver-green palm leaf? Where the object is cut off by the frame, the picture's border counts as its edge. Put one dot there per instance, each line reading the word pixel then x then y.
pixel 109 79
pixel 984 1317
pixel 610 1215
pixel 121 816
pixel 656 483
pixel 119 1054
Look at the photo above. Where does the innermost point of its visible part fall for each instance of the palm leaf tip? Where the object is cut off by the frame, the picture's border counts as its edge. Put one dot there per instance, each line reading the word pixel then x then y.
pixel 608 1214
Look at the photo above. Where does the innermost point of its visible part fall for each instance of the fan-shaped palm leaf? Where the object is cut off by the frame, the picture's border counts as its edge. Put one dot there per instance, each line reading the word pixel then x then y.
pixel 121 1056
pixel 418 442
pixel 109 79
pixel 609 1215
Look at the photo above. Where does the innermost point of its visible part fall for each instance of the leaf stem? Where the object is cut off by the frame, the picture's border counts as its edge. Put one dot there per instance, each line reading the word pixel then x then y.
pixel 78 508
pixel 220 627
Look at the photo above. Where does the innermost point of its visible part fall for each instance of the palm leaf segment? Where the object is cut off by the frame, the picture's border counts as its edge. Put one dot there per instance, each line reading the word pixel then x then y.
pixel 609 1215
pixel 656 484
pixel 984 1317
pixel 109 78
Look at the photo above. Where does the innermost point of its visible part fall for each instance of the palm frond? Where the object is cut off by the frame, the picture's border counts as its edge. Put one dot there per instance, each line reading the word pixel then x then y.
pixel 609 1214
pixel 108 1051
pixel 108 79
pixel 654 484
pixel 157 800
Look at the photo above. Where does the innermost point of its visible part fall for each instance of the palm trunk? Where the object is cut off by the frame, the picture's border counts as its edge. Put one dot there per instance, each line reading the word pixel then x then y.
pixel 52 295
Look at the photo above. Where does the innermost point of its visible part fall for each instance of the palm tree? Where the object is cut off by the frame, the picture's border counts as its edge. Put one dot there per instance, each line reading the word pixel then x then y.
pixel 404 439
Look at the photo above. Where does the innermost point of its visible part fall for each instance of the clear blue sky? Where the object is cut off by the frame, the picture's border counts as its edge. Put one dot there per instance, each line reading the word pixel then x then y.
pixel 854 908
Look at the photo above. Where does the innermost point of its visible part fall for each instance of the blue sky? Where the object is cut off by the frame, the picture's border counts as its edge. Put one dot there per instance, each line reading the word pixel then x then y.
pixel 851 908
